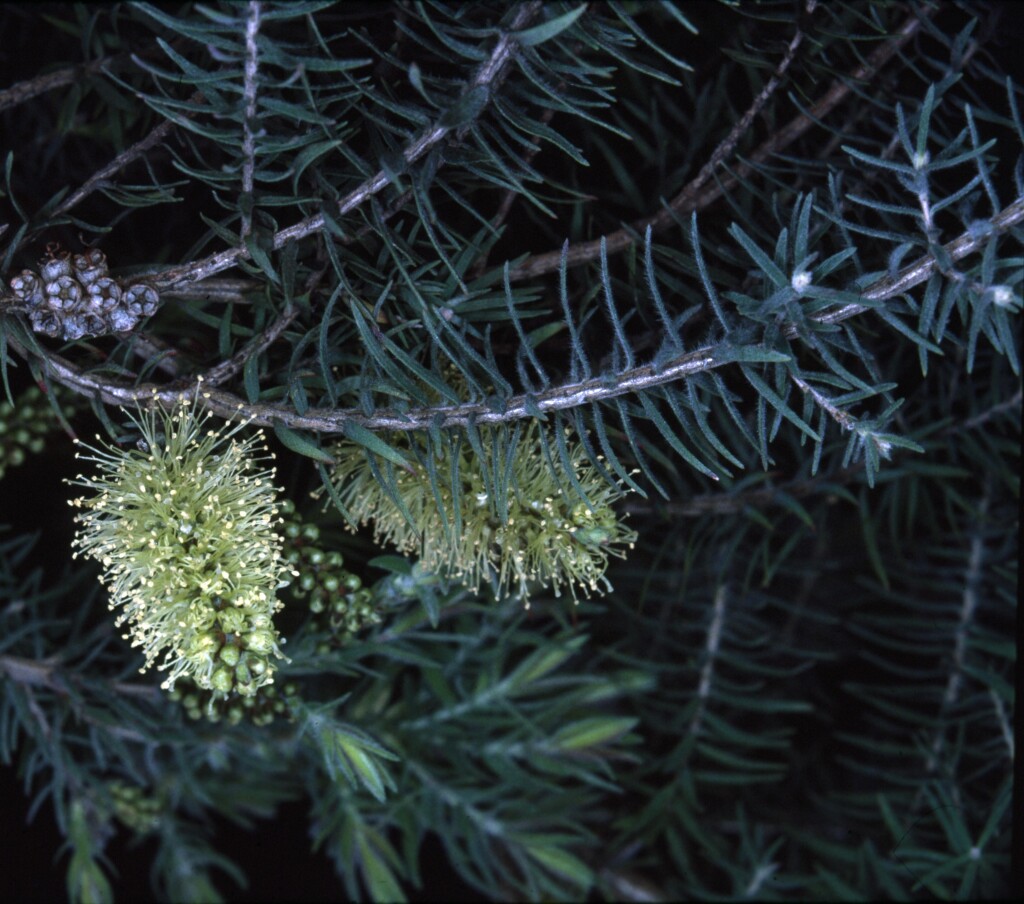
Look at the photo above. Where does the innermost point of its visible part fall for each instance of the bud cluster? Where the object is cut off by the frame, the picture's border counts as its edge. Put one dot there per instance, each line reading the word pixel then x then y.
pixel 134 808
pixel 337 598
pixel 24 426
pixel 75 296
pixel 260 709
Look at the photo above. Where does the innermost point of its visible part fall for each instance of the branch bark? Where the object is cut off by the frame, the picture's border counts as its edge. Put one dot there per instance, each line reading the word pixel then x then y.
pixel 555 398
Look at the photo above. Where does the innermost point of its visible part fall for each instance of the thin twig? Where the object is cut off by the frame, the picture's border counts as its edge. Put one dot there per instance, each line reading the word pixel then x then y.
pixel 140 148
pixel 969 599
pixel 25 90
pixel 1013 402
pixel 921 269
pixel 723 504
pixel 228 289
pixel 630 887
pixel 47 673
pixel 707 672
pixel 259 344
pixel 155 352
pixel 695 196
pixel 842 418
pixel 1005 727
pixel 50 81
pixel 37 712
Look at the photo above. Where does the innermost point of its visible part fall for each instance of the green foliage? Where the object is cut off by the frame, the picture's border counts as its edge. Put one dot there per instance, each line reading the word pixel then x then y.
pixel 495 278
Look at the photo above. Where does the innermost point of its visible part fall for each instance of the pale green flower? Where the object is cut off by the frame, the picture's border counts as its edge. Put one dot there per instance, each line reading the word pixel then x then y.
pixel 184 527
pixel 549 538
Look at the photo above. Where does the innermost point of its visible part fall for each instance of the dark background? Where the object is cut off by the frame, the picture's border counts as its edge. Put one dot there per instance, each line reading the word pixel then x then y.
pixel 275 855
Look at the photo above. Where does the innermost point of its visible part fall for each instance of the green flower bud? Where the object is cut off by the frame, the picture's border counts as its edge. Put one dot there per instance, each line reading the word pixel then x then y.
pixel 200 646
pixel 229 655
pixel 134 808
pixel 260 641
pixel 222 680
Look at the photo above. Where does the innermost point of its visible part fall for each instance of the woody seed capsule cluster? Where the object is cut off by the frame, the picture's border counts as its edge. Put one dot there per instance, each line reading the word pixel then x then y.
pixel 72 297
pixel 184 527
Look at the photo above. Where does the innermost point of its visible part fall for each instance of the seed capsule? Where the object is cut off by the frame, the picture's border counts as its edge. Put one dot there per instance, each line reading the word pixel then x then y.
pixel 142 299
pixel 121 321
pixel 90 266
pixel 55 266
pixel 28 288
pixel 65 293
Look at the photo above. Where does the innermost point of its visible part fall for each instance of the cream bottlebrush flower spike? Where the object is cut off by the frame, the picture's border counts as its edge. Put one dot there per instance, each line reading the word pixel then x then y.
pixel 184 527
pixel 548 537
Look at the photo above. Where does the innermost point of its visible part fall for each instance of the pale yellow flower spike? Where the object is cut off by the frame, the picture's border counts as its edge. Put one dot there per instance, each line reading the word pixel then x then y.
pixel 184 528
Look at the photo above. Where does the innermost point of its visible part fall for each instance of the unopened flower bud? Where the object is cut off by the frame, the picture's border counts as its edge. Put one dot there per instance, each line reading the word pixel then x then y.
pixel 222 680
